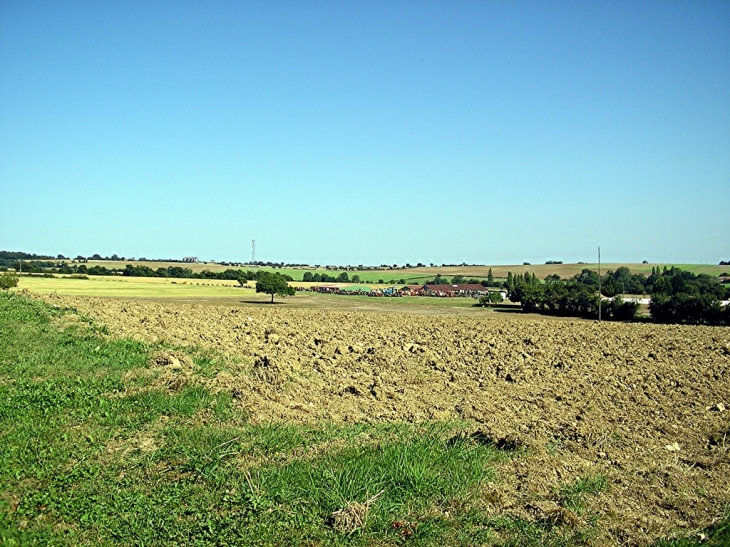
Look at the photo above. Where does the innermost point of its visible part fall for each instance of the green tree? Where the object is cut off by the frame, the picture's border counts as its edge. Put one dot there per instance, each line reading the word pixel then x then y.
pixel 490 278
pixel 532 297
pixel 493 297
pixel 587 277
pixel 273 283
pixel 438 280
pixel 458 280
pixel 623 310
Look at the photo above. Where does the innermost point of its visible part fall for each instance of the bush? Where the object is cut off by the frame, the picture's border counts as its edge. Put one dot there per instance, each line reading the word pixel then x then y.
pixel 623 310
pixel 691 309
pixel 8 281
pixel 493 297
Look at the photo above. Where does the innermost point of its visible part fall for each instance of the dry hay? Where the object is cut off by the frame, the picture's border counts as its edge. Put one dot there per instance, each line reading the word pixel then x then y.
pixel 643 405
pixel 353 516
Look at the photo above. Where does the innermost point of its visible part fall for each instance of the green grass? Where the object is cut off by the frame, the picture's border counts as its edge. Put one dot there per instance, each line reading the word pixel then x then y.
pixel 572 496
pixel 94 452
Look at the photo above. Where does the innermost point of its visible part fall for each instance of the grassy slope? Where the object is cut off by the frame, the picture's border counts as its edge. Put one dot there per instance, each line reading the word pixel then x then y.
pixel 95 451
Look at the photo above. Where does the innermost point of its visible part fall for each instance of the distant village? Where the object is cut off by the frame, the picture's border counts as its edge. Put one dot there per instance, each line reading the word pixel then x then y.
pixel 467 290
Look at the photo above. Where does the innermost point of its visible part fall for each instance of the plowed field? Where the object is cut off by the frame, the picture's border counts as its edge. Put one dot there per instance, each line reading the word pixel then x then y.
pixel 642 405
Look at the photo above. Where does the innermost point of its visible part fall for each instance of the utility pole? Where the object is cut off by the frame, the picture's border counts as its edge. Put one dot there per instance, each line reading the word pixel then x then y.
pixel 600 298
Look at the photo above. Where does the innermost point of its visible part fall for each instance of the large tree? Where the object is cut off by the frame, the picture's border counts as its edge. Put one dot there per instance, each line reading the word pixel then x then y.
pixel 273 283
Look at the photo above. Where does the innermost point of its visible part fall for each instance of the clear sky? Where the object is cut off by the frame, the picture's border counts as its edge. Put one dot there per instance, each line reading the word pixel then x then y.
pixel 366 132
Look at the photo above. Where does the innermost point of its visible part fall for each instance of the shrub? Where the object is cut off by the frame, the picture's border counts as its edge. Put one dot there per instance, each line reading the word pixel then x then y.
pixel 8 281
pixel 493 297
pixel 692 309
pixel 623 310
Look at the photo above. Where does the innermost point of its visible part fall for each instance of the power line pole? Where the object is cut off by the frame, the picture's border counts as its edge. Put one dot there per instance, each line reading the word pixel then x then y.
pixel 600 298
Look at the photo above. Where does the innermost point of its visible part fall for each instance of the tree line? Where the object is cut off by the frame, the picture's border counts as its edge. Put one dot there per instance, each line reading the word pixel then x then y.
pixel 317 277
pixel 677 296
pixel 490 281
pixel 175 272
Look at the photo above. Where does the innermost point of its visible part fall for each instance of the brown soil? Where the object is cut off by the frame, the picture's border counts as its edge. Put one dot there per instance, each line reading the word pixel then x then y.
pixel 643 405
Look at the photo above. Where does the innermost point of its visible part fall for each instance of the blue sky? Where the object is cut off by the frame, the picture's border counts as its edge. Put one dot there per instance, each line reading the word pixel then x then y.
pixel 366 132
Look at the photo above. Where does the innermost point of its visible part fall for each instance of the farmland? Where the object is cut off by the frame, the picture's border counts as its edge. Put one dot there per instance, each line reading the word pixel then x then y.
pixel 420 275
pixel 564 431
pixel 230 293
pixel 131 287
